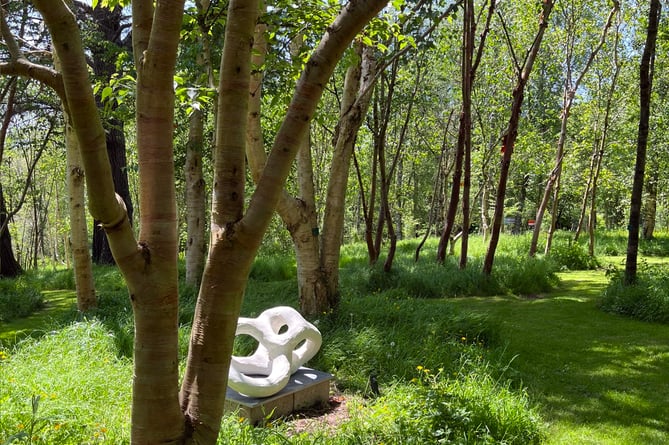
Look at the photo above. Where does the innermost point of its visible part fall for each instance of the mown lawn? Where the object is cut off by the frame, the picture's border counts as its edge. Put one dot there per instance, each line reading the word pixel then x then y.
pixel 598 378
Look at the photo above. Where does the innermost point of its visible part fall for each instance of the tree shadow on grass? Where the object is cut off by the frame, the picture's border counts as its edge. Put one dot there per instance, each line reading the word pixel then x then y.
pixel 598 377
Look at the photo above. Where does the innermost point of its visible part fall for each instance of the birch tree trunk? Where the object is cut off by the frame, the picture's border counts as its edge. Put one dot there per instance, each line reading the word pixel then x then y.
pixel 356 97
pixel 159 413
pixel 78 239
pixel 196 244
pixel 570 88
pixel 509 139
pixel 649 209
pixel 81 256
pixel 297 213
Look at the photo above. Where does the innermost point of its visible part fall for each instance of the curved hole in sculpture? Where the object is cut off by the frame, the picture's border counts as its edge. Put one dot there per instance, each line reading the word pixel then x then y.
pixel 244 345
pixel 300 344
pixel 283 329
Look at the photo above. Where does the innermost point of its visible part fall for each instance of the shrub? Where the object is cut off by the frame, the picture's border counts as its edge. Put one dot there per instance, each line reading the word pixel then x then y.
pixel 646 300
pixel 572 256
pixel 524 275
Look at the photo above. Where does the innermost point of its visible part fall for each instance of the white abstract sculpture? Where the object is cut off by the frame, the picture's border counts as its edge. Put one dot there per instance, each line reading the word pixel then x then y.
pixel 286 341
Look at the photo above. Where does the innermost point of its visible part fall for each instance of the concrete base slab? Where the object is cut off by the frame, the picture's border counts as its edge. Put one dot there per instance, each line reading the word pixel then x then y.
pixel 306 388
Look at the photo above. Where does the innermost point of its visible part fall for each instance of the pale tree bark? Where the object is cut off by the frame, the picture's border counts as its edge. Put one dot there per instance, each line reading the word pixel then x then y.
pixel 196 241
pixel 509 139
pixel 645 91
pixel 588 186
pixel 358 86
pixel 81 255
pixel 599 151
pixel 570 88
pixel 649 209
pixel 159 415
pixel 297 213
pixel 78 239
pixel 236 235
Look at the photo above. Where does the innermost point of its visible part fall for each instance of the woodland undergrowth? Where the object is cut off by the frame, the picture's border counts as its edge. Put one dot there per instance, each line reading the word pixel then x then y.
pixel 443 373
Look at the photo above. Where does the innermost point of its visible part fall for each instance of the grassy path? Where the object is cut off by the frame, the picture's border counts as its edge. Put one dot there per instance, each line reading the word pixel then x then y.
pixel 57 304
pixel 598 378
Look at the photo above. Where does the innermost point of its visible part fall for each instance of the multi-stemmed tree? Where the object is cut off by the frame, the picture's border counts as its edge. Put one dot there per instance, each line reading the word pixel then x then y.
pixel 160 412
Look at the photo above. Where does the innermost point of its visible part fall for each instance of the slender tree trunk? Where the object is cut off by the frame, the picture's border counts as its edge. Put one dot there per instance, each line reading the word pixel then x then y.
pixel 195 185
pixel 468 75
pixel 78 240
pixel 354 105
pixel 509 138
pixel 645 89
pixel 9 267
pixel 650 204
pixel 592 217
pixel 588 190
pixel 196 243
pixel 303 228
pixel 441 172
pixel 552 180
pixel 455 193
pixel 81 255
pixel 570 88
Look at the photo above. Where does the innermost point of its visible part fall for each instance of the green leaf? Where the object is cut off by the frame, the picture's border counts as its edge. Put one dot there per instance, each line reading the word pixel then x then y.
pixel 106 92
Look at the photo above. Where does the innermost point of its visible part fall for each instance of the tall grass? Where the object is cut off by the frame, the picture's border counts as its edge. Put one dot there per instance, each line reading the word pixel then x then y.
pixel 513 272
pixel 68 387
pixel 646 300
pixel 18 298
pixel 387 326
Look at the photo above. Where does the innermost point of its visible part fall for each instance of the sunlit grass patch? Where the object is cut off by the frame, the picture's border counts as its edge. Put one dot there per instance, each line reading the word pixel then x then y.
pixel 68 387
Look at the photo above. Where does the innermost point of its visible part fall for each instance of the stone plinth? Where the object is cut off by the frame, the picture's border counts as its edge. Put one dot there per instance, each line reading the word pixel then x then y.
pixel 306 388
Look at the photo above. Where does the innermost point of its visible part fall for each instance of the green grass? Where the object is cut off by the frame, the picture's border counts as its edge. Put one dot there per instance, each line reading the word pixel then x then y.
pixel 68 387
pixel 57 305
pixel 533 363
pixel 599 378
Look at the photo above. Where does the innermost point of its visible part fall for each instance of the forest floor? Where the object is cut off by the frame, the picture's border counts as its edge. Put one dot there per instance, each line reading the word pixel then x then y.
pixel 597 378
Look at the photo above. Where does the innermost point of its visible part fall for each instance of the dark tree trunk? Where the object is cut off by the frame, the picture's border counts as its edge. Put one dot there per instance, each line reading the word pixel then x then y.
pixel 117 158
pixel 9 267
pixel 645 88
pixel 109 26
